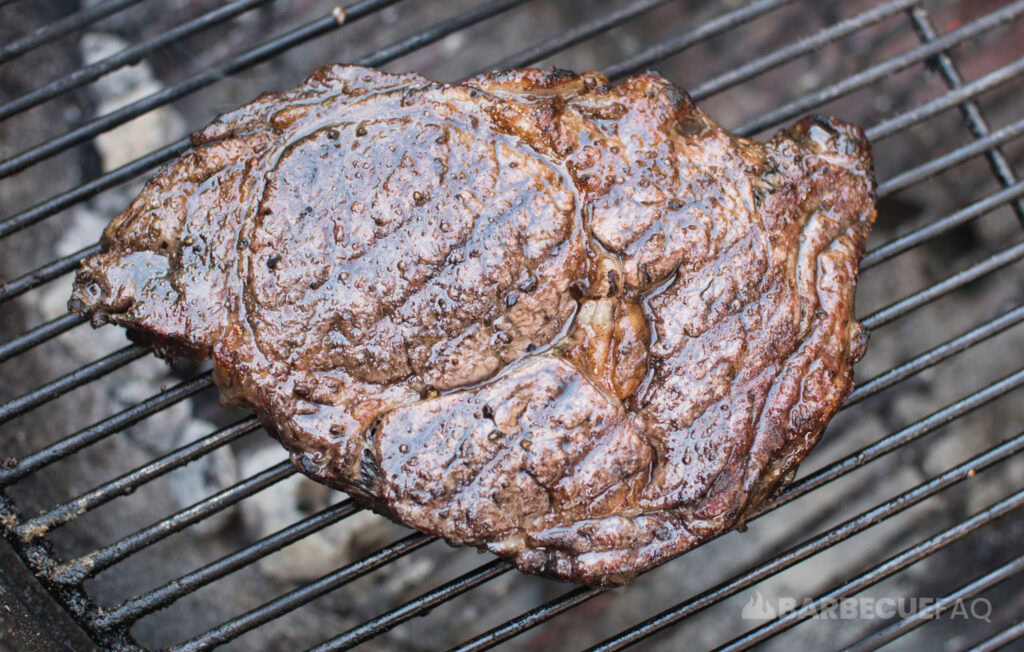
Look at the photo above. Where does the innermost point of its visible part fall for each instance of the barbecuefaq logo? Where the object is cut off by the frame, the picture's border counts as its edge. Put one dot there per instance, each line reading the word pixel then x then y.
pixel 758 607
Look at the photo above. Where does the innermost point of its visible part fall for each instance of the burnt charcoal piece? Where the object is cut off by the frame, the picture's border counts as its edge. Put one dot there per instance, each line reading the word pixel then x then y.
pixel 581 326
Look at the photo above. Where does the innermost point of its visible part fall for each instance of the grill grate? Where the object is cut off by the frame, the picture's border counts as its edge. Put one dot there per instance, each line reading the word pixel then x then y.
pixel 110 625
pixel 68 25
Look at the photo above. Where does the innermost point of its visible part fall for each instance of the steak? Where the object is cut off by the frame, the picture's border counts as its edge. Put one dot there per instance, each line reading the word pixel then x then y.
pixel 581 326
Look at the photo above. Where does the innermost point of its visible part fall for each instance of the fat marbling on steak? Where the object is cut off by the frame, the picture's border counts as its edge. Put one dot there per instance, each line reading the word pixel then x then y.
pixel 579 325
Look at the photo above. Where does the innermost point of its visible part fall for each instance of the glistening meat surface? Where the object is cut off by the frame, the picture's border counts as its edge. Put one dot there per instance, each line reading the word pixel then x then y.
pixel 581 326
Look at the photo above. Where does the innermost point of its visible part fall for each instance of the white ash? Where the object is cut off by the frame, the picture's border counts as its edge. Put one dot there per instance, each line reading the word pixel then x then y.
pixel 143 134
pixel 204 477
pixel 293 499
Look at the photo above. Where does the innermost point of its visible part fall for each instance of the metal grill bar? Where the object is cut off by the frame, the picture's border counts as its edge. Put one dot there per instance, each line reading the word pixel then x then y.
pixel 830 538
pixel 127 56
pixel 66 383
pixel 946 161
pixel 437 32
pixel 971 111
pixel 798 49
pixel 427 601
pixel 935 355
pixel 958 96
pixel 910 623
pixel 892 311
pixel 256 55
pixel 38 335
pixel 103 429
pixel 131 610
pixel 291 601
pixel 936 228
pixel 63 26
pixel 1001 639
pixel 71 197
pixel 896 440
pixel 47 272
pixel 713 27
pixel 799 488
pixel 575 35
pixel 882 70
pixel 79 569
pixel 530 619
pixel 888 568
pixel 129 482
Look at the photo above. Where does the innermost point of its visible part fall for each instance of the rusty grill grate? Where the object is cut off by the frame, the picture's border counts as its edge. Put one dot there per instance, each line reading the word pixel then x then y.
pixel 925 73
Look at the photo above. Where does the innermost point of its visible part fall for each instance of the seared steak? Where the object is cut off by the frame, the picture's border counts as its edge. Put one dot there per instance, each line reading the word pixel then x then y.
pixel 581 326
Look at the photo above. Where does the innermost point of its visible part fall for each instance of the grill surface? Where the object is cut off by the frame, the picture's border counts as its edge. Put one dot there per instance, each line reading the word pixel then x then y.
pixel 902 473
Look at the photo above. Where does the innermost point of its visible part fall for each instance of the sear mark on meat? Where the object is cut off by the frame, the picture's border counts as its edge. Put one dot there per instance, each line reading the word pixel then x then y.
pixel 581 326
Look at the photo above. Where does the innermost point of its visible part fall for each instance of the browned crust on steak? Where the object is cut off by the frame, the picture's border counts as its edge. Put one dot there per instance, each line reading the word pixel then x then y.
pixel 581 326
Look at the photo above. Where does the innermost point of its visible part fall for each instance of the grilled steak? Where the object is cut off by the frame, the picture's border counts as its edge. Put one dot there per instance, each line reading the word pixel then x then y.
pixel 581 326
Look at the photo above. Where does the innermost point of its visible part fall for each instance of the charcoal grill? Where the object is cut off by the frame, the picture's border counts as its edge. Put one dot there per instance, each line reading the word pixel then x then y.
pixel 945 139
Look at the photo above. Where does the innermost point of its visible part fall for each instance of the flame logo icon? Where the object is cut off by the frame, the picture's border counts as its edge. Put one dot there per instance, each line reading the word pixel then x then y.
pixel 757 608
